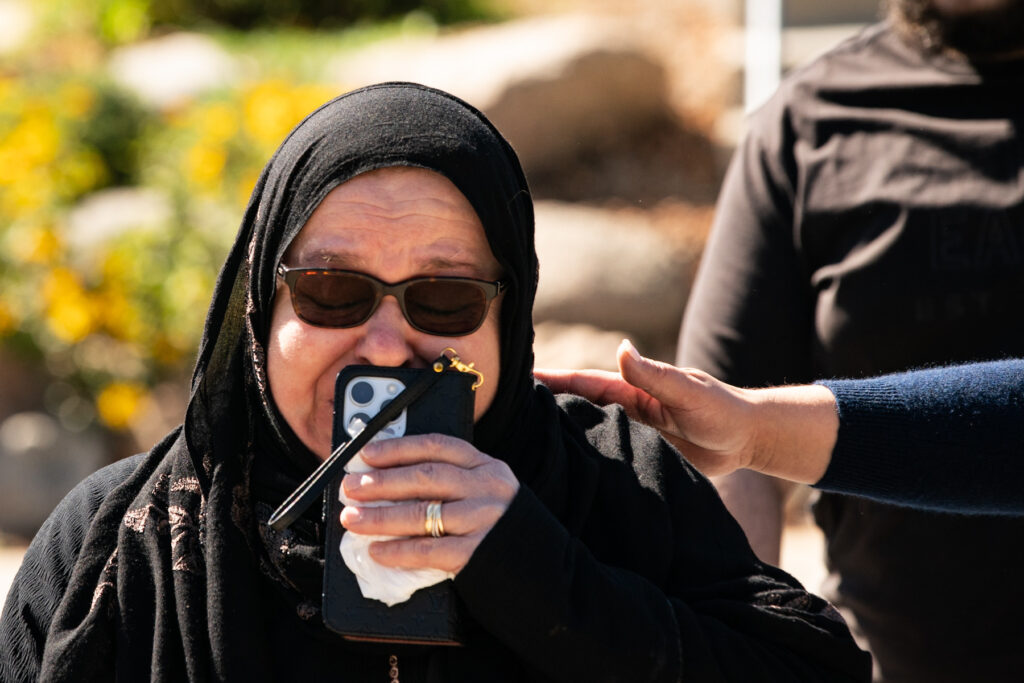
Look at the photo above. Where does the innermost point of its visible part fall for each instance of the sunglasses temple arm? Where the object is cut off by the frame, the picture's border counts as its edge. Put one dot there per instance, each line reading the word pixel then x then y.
pixel 312 488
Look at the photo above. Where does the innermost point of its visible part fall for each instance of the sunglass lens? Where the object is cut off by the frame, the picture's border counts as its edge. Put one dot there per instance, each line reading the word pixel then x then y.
pixel 333 299
pixel 445 308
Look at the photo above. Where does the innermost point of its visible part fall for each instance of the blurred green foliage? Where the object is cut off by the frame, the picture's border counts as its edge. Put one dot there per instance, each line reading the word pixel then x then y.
pixel 309 13
pixel 122 21
pixel 108 311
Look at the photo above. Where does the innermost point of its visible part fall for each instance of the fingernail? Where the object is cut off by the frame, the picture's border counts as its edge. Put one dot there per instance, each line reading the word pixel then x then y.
pixel 354 482
pixel 631 350
pixel 349 515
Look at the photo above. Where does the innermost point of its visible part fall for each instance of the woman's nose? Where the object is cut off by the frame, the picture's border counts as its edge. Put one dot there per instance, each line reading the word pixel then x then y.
pixel 386 336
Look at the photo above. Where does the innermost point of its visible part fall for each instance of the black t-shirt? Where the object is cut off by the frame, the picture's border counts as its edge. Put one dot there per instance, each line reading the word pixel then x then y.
pixel 873 221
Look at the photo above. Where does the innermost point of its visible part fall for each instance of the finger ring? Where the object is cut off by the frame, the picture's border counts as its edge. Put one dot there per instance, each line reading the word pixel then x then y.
pixel 434 526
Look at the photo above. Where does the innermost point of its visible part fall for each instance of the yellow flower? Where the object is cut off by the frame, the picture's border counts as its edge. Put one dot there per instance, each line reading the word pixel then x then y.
pixel 119 266
pixel 75 100
pixel 71 320
pixel 32 191
pixel 36 138
pixel 34 244
pixel 9 88
pixel 62 282
pixel 204 164
pixel 269 112
pixel 70 313
pixel 218 122
pixel 246 186
pixel 309 96
pixel 120 318
pixel 119 403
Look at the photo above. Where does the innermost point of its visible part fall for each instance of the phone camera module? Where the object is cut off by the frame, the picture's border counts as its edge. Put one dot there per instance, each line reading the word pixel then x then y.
pixel 362 393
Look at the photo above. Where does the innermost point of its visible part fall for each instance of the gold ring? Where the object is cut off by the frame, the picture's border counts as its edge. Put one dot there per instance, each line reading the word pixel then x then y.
pixel 433 525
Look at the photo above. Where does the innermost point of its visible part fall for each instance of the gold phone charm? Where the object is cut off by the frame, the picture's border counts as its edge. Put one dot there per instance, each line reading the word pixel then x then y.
pixel 455 362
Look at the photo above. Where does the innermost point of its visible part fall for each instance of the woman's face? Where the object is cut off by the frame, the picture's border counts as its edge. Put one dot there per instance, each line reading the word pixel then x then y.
pixel 394 224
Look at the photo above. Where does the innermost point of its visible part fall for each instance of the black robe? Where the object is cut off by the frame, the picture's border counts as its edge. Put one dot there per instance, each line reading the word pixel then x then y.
pixel 615 561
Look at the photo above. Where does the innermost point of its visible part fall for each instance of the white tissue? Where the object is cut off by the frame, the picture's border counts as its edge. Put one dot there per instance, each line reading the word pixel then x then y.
pixel 387 584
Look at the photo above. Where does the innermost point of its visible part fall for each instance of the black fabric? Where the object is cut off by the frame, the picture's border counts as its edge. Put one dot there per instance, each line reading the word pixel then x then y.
pixel 873 221
pixel 180 578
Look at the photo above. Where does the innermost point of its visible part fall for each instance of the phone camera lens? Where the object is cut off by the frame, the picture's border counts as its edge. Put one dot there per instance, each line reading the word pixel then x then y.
pixel 359 420
pixel 362 393
pixel 383 405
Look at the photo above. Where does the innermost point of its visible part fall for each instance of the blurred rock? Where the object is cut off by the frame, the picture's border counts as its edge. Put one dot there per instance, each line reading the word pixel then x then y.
pixel 552 85
pixel 610 270
pixel 110 212
pixel 40 462
pixel 16 23
pixel 575 346
pixel 167 71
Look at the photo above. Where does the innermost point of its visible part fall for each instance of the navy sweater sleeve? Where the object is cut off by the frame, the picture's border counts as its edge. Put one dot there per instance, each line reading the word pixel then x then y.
pixel 944 439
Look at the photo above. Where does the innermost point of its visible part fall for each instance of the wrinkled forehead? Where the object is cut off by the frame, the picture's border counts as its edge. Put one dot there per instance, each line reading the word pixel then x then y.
pixel 395 214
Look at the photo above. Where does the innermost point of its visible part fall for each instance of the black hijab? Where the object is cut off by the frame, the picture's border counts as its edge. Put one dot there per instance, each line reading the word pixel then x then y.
pixel 177 553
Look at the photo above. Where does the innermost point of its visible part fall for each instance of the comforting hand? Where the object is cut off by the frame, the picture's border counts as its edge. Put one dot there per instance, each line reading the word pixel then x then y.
pixel 475 490
pixel 787 431
pixel 710 422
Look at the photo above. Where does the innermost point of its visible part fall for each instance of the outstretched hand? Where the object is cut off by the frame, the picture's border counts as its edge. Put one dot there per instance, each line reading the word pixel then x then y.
pixel 787 432
pixel 712 423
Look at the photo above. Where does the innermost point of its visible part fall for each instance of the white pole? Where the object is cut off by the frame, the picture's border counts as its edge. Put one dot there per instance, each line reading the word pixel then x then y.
pixel 762 62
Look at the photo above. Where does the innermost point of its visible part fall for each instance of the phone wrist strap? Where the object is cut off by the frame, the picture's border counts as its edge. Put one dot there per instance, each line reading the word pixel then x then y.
pixel 312 488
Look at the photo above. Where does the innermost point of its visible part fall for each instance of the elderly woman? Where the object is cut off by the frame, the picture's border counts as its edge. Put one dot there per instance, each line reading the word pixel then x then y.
pixel 583 546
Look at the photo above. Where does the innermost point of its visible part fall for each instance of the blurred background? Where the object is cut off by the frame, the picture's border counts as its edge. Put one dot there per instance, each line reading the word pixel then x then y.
pixel 132 132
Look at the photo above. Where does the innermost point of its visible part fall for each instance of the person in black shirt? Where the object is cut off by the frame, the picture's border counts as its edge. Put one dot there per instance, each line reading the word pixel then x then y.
pixel 872 221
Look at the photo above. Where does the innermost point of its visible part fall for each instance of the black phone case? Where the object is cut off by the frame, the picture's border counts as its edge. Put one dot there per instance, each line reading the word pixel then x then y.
pixel 432 615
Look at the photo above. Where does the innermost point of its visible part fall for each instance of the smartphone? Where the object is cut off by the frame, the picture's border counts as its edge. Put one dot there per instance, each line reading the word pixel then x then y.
pixel 432 615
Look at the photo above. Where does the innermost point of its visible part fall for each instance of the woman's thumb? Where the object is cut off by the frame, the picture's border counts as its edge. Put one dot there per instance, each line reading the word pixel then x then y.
pixel 641 372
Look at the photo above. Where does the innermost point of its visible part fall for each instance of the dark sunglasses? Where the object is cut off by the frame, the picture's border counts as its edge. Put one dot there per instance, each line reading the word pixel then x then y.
pixel 442 306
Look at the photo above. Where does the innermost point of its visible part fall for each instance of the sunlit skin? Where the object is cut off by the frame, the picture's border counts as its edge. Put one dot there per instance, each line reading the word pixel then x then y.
pixel 787 432
pixel 395 224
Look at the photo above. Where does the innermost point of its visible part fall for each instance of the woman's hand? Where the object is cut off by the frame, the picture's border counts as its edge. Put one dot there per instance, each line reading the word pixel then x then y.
pixel 712 423
pixel 475 490
pixel 787 432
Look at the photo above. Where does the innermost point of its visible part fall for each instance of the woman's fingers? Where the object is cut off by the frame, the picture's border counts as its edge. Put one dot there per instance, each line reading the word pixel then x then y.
pixel 415 448
pixel 458 518
pixel 598 386
pixel 474 489
pixel 429 467
pixel 449 554
pixel 423 480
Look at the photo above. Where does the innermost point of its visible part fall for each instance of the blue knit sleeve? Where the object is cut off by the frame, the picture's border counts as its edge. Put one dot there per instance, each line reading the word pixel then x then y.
pixel 944 439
